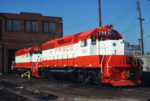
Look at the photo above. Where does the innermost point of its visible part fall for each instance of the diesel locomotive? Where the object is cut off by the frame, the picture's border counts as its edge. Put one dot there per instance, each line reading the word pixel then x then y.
pixel 99 55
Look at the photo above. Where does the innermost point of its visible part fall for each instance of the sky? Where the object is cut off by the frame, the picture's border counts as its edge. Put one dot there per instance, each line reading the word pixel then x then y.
pixel 82 15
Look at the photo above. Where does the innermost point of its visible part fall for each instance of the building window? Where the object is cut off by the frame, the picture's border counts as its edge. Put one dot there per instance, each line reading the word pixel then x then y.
pixel 12 25
pixel 31 26
pixel 48 27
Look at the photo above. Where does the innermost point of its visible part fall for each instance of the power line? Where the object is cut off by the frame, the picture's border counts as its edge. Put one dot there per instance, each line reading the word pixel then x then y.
pixel 120 16
pixel 131 28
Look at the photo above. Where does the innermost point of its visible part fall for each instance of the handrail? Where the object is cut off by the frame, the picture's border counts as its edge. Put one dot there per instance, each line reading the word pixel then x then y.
pixel 108 62
pixel 13 62
pixel 102 64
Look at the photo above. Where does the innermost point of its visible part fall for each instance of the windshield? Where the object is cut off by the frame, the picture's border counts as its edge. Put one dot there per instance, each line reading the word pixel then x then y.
pixel 112 33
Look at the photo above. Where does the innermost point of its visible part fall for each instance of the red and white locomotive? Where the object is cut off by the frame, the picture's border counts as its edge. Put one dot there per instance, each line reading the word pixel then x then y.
pixel 97 55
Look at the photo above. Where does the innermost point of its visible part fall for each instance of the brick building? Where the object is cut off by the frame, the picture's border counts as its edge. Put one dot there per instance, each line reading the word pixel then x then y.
pixel 22 30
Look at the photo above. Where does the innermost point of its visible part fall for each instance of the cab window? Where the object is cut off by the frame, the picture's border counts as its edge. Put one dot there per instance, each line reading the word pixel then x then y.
pixel 93 39
pixel 101 38
pixel 83 43
pixel 113 33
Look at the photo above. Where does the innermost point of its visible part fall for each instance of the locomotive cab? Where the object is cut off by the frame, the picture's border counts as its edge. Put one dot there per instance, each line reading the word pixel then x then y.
pixel 117 62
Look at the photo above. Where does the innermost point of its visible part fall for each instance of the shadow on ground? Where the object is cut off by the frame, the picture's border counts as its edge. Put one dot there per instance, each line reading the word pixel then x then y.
pixel 146 79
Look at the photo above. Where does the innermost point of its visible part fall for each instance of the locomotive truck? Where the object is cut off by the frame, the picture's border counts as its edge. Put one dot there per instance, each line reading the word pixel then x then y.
pixel 99 55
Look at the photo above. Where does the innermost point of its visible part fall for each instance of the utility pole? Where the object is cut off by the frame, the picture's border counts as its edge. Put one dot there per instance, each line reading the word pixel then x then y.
pixel 141 27
pixel 99 13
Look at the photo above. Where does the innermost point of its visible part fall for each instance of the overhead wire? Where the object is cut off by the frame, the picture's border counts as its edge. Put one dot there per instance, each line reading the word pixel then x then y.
pixel 92 21
pixel 132 25
pixel 121 16
pixel 129 31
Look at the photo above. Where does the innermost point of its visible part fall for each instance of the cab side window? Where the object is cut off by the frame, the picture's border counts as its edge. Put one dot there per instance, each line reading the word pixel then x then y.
pixel 83 43
pixel 93 39
pixel 101 38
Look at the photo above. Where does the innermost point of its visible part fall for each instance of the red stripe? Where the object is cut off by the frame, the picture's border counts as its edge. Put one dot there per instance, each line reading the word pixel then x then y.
pixel 82 61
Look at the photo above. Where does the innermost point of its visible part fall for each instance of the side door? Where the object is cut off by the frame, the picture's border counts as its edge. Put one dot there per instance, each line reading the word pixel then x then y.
pixel 93 45
pixel 82 53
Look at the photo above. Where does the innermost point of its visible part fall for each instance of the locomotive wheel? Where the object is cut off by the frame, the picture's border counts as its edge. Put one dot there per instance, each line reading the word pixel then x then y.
pixel 97 78
pixel 81 78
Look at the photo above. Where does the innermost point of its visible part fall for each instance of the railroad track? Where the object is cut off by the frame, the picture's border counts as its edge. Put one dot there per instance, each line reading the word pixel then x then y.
pixel 68 91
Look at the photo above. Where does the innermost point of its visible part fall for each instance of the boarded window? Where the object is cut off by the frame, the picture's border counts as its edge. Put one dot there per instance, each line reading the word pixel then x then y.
pixel 31 26
pixel 48 27
pixel 12 25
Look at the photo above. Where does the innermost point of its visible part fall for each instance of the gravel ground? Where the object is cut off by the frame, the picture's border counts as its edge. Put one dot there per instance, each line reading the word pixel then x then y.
pixel 15 88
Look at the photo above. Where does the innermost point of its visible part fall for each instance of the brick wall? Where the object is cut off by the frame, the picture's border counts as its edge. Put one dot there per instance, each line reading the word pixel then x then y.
pixel 22 39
